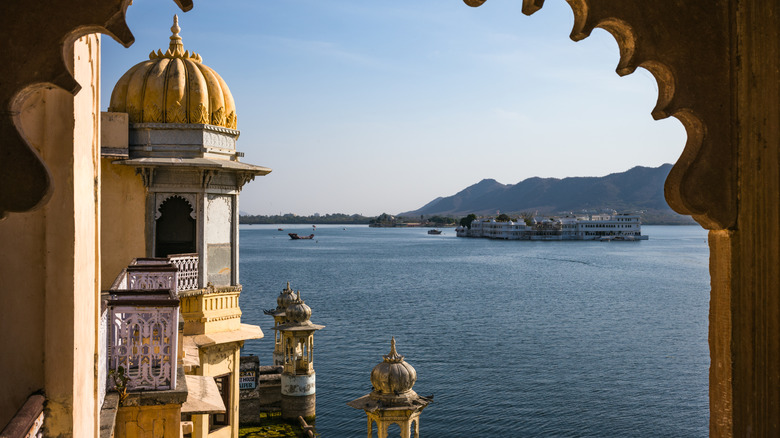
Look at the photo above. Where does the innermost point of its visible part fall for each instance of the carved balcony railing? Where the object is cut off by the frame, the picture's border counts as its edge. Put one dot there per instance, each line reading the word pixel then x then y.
pixel 143 337
pixel 187 264
pixel 162 276
pixel 187 276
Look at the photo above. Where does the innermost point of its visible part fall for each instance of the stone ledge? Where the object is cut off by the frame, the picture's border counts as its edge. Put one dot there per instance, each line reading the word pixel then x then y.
pixel 164 397
pixel 108 415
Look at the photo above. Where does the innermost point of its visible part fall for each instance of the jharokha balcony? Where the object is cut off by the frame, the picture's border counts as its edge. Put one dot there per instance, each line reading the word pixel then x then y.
pixel 143 359
pixel 142 318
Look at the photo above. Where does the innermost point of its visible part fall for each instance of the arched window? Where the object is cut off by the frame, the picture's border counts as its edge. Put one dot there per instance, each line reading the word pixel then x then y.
pixel 175 232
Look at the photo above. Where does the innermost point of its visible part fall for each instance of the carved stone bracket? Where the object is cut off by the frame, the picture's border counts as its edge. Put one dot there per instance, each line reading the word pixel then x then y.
pixel 35 59
pixel 685 46
pixel 243 178
pixel 207 175
pixel 147 175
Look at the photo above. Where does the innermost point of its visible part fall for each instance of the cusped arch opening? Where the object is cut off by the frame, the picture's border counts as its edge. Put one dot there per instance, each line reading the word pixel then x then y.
pixel 175 231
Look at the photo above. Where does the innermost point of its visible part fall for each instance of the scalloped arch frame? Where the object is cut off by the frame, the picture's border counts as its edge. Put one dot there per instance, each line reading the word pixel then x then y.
pixel 41 47
pixel 678 54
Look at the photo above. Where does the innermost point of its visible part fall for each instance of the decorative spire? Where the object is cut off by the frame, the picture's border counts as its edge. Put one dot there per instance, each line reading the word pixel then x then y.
pixel 176 44
pixel 393 357
pixel 176 47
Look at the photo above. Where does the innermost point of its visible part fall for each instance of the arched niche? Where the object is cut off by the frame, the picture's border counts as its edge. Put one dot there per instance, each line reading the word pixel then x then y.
pixel 175 227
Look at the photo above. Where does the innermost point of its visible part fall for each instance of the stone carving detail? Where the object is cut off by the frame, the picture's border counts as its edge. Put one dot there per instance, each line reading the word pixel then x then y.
pixel 200 115
pixel 30 64
pixel 160 198
pixel 703 182
pixel 231 121
pixel 187 265
pixel 152 280
pixel 243 178
pixel 176 113
pixel 218 117
pixel 143 342
pixel 217 139
pixel 154 114
pixel 207 176
pixel 220 206
pixel 147 175
pixel 134 114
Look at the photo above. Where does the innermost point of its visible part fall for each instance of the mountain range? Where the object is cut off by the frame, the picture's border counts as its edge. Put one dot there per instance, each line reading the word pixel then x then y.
pixel 637 189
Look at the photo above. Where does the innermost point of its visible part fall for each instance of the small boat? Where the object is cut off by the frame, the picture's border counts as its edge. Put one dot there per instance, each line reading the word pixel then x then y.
pixel 295 236
pixel 280 229
pixel 434 231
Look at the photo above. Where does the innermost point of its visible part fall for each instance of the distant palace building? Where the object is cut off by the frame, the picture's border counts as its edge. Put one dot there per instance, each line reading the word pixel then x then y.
pixel 594 227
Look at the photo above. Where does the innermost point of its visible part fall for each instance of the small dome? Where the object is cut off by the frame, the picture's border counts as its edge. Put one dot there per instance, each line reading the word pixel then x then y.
pixel 393 376
pixel 285 298
pixel 174 87
pixel 297 312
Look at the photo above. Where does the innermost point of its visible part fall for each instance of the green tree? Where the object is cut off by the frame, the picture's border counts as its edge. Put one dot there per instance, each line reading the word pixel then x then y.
pixel 466 221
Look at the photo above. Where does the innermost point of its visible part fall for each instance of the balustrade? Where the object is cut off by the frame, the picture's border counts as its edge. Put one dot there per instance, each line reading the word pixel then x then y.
pixel 143 335
pixel 153 277
pixel 143 319
pixel 187 264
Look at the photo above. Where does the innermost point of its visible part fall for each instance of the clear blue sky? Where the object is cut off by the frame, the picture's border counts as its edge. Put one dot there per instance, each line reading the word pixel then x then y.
pixel 381 106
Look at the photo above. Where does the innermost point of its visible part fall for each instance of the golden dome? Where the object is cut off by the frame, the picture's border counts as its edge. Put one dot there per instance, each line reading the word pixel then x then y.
pixel 174 87
pixel 285 298
pixel 297 312
pixel 393 376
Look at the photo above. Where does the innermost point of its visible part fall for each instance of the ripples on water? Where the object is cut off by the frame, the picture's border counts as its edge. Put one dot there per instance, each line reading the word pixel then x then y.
pixel 515 339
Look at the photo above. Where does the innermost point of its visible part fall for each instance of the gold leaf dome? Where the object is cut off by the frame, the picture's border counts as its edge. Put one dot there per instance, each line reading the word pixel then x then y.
pixel 174 87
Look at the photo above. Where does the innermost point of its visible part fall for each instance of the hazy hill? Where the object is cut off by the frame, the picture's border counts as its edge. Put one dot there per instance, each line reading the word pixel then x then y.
pixel 640 188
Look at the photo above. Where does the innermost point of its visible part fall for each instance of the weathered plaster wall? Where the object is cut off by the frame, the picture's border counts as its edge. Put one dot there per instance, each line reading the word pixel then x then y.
pixel 50 279
pixel 22 293
pixel 218 360
pixel 123 219
pixel 219 216
pixel 162 421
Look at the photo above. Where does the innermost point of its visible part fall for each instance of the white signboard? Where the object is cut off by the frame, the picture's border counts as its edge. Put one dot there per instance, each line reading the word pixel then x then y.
pixel 247 380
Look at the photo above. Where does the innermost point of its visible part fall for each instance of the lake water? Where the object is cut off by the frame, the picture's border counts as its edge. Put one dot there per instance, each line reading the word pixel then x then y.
pixel 514 338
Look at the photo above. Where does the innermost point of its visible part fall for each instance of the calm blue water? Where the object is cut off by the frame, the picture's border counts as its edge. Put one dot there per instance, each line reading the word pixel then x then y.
pixel 517 339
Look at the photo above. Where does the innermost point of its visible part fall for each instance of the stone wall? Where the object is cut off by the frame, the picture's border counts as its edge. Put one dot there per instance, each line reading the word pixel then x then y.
pixel 265 396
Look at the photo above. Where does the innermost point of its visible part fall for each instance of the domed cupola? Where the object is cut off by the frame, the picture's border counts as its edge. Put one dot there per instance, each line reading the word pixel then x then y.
pixel 393 400
pixel 393 376
pixel 298 312
pixel 174 87
pixel 285 298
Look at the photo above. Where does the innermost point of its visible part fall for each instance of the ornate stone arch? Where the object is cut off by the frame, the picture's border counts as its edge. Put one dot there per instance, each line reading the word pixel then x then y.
pixel 190 198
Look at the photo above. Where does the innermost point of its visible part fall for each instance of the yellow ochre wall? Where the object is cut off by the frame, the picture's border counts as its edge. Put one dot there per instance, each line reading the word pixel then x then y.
pixel 218 360
pixel 123 234
pixel 49 269
pixel 162 421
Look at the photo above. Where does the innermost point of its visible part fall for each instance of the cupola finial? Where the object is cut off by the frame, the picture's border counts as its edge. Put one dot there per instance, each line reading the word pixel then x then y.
pixel 176 44
pixel 393 357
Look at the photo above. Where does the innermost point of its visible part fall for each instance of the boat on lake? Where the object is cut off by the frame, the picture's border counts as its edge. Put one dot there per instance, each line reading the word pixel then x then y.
pixel 434 231
pixel 295 236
